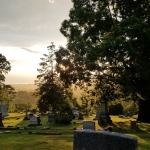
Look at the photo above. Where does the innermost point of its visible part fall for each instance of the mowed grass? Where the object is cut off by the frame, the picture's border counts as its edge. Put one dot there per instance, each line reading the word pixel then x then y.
pixel 20 139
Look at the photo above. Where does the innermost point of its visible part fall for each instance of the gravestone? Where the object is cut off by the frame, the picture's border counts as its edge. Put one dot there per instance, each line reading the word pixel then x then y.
pixel 104 116
pixel 90 113
pixel 34 121
pixel 3 110
pixel 1 118
pixel 121 116
pixel 133 124
pixel 80 116
pixel 51 117
pixel 102 140
pixel 89 125
pixel 75 112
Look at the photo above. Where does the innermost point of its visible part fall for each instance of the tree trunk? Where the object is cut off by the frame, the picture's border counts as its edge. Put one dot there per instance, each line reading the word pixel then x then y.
pixel 144 111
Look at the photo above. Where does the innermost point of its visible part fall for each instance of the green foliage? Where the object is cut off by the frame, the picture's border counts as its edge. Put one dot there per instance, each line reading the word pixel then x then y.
pixel 4 67
pixel 25 97
pixel 63 118
pixel 111 39
pixel 132 109
pixel 20 107
pixel 52 91
pixel 7 94
pixel 115 109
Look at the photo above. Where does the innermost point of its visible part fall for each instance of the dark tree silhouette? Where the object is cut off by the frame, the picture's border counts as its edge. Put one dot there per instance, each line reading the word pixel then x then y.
pixel 113 36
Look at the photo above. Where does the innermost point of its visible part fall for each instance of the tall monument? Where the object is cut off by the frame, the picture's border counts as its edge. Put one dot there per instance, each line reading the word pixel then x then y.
pixel 3 110
pixel 104 117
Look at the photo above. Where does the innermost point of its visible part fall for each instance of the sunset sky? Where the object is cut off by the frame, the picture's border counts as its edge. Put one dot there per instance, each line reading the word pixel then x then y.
pixel 27 27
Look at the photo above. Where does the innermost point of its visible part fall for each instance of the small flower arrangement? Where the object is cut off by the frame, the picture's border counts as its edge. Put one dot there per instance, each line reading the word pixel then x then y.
pixel 108 128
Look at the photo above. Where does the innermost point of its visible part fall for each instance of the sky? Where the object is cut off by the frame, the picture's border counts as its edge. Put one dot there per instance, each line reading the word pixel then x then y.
pixel 27 27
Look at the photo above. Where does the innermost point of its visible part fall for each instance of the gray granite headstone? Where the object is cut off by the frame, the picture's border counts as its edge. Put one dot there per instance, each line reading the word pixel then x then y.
pixel 104 115
pixel 133 124
pixel 102 140
pixel 90 113
pixel 3 110
pixel 34 120
pixel 75 112
pixel 88 125
pixel 51 117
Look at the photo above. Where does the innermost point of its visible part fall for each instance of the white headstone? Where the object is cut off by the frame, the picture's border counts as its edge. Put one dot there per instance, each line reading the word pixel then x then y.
pixel 75 112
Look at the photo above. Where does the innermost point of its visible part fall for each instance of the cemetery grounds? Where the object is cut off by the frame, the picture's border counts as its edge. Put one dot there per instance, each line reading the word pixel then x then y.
pixel 57 136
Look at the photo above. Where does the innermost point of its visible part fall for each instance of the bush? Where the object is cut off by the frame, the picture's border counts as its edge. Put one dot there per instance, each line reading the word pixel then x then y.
pixel 116 109
pixel 63 118
pixel 132 109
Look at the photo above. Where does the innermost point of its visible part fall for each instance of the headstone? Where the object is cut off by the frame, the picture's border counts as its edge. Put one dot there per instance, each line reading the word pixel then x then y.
pixel 1 123
pixel 121 116
pixel 7 132
pixel 90 113
pixel 133 125
pixel 3 110
pixel 51 117
pixel 34 121
pixel 80 116
pixel 103 140
pixel 75 112
pixel 104 116
pixel 89 125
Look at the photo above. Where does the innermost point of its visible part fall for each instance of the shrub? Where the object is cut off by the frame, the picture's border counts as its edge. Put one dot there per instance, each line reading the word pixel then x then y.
pixel 63 118
pixel 132 109
pixel 116 109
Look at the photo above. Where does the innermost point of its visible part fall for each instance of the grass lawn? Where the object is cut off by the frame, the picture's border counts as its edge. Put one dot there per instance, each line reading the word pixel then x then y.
pixel 20 139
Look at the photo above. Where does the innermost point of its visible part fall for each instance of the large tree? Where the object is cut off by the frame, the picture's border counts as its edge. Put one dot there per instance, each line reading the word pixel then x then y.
pixel 53 95
pixel 7 92
pixel 4 67
pixel 116 34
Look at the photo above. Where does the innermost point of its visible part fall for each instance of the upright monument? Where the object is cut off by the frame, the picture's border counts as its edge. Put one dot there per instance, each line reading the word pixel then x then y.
pixel 3 110
pixel 104 117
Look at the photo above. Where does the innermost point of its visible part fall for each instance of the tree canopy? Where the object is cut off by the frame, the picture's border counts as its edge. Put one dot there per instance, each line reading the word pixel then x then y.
pixel 115 33
pixel 4 67
pixel 7 92
pixel 111 39
pixel 51 90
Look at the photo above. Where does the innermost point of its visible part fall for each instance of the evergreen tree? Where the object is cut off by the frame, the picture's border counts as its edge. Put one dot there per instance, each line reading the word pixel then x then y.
pixel 51 90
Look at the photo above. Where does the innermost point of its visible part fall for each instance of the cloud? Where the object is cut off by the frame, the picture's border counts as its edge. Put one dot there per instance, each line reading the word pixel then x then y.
pixel 17 62
pixel 29 50
pixel 52 1
pixel 25 23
